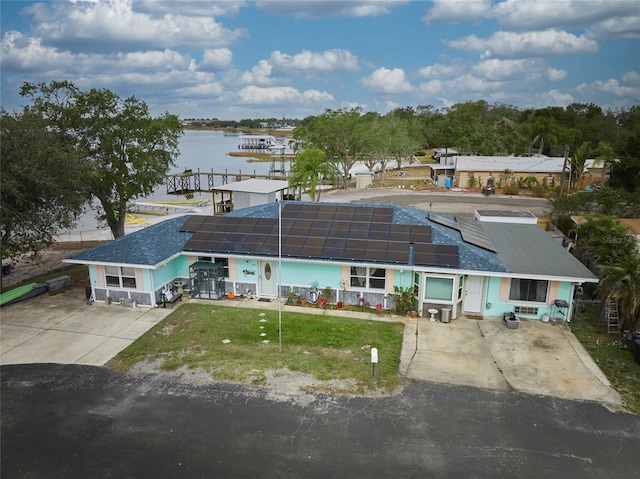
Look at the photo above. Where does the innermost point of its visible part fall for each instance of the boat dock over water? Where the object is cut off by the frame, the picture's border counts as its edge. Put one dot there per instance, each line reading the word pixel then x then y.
pixel 189 181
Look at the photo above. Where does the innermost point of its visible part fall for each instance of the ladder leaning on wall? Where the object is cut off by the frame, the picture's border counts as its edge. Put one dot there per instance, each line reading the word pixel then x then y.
pixel 610 317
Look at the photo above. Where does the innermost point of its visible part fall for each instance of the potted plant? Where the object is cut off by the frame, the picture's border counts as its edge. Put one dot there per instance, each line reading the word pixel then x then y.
pixel 294 297
pixel 327 294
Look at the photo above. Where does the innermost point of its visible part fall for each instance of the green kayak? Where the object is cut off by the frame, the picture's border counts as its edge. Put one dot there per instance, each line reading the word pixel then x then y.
pixel 13 294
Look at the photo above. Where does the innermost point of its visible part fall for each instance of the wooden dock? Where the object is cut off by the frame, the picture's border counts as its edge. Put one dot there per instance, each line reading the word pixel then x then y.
pixel 189 181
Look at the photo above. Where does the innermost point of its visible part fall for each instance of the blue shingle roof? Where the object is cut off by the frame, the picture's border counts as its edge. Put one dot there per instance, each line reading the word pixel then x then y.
pixel 154 244
pixel 149 246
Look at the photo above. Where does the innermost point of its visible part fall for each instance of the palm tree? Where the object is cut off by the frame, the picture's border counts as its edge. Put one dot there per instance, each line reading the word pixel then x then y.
pixel 308 170
pixel 606 156
pixel 621 281
pixel 578 160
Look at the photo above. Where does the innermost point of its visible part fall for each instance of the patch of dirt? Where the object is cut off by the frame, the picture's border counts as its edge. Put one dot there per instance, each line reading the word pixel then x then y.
pixel 28 267
pixel 281 385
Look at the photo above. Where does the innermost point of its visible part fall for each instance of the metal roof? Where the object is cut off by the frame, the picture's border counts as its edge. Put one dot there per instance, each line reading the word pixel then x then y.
pixel 254 185
pixel 529 250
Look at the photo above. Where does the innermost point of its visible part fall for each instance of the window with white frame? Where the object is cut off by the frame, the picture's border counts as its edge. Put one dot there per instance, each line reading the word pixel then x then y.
pixel 438 289
pixel 120 277
pixel 531 290
pixel 368 278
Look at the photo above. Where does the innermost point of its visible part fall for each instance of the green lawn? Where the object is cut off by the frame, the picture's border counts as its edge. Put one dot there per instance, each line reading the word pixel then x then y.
pixel 324 347
pixel 612 356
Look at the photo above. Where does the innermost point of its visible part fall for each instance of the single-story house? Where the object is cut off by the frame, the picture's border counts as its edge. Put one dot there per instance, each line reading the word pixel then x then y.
pixel 541 167
pixel 361 251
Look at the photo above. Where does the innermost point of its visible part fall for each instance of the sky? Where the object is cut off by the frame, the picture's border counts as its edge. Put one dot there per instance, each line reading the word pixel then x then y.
pixel 237 59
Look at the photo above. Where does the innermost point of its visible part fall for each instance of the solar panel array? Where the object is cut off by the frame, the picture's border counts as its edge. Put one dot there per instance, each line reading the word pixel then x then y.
pixel 329 232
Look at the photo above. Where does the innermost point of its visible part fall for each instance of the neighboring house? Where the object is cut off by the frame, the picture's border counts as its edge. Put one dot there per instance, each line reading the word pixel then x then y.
pixel 362 251
pixel 541 167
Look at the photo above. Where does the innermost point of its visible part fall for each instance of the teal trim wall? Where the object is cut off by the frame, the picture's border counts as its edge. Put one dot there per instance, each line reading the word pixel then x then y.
pixel 176 268
pixel 499 307
pixel 303 274
pixel 404 279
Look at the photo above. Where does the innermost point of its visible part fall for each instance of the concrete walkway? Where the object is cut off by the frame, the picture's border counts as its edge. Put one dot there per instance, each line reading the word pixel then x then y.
pixel 537 358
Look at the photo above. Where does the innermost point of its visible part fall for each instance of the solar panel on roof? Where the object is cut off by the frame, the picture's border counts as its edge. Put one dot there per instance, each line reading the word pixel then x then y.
pixel 473 233
pixel 356 244
pixel 312 241
pixel 379 235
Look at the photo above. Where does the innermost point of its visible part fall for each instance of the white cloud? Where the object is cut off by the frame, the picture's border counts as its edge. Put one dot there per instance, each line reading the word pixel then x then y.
pixel 455 11
pixel 27 54
pixel 554 74
pixel 615 28
pixel 260 74
pixel 521 15
pixel 517 70
pixel 556 97
pixel 529 44
pixel 439 70
pixel 101 26
pixel 191 7
pixel 22 54
pixel 623 92
pixel 255 95
pixel 334 8
pixel 212 89
pixel 328 61
pixel 384 80
pixel 217 59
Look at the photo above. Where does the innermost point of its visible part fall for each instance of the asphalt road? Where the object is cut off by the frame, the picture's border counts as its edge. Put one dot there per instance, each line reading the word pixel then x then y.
pixel 82 421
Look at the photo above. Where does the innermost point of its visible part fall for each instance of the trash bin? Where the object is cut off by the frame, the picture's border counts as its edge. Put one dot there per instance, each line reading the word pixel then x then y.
pixel 87 292
pixel 445 315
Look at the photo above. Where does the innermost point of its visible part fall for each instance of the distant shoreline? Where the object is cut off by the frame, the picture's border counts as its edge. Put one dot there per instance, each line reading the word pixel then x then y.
pixel 247 131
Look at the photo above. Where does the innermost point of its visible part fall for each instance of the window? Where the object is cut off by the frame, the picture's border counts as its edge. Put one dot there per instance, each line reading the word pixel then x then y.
pixel 438 289
pixel 120 277
pixel 471 174
pixel 368 278
pixel 224 262
pixel 534 290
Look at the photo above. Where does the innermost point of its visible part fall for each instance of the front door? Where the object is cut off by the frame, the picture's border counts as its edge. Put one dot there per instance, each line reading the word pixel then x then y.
pixel 267 279
pixel 473 294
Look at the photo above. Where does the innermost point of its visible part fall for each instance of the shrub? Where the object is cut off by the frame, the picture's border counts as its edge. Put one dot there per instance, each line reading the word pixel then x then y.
pixel 511 190
pixel 404 299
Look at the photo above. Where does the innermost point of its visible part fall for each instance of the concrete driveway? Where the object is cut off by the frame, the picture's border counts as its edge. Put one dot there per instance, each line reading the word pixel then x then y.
pixel 537 358
pixel 62 328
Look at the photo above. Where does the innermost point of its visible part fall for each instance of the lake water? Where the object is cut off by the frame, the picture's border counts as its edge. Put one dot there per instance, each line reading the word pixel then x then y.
pixel 203 150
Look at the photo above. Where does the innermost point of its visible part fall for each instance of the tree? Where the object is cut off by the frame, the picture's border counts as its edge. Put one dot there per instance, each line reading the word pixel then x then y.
pixel 340 134
pixel 308 170
pixel 578 161
pixel 620 280
pixel 125 153
pixel 606 156
pixel 41 190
